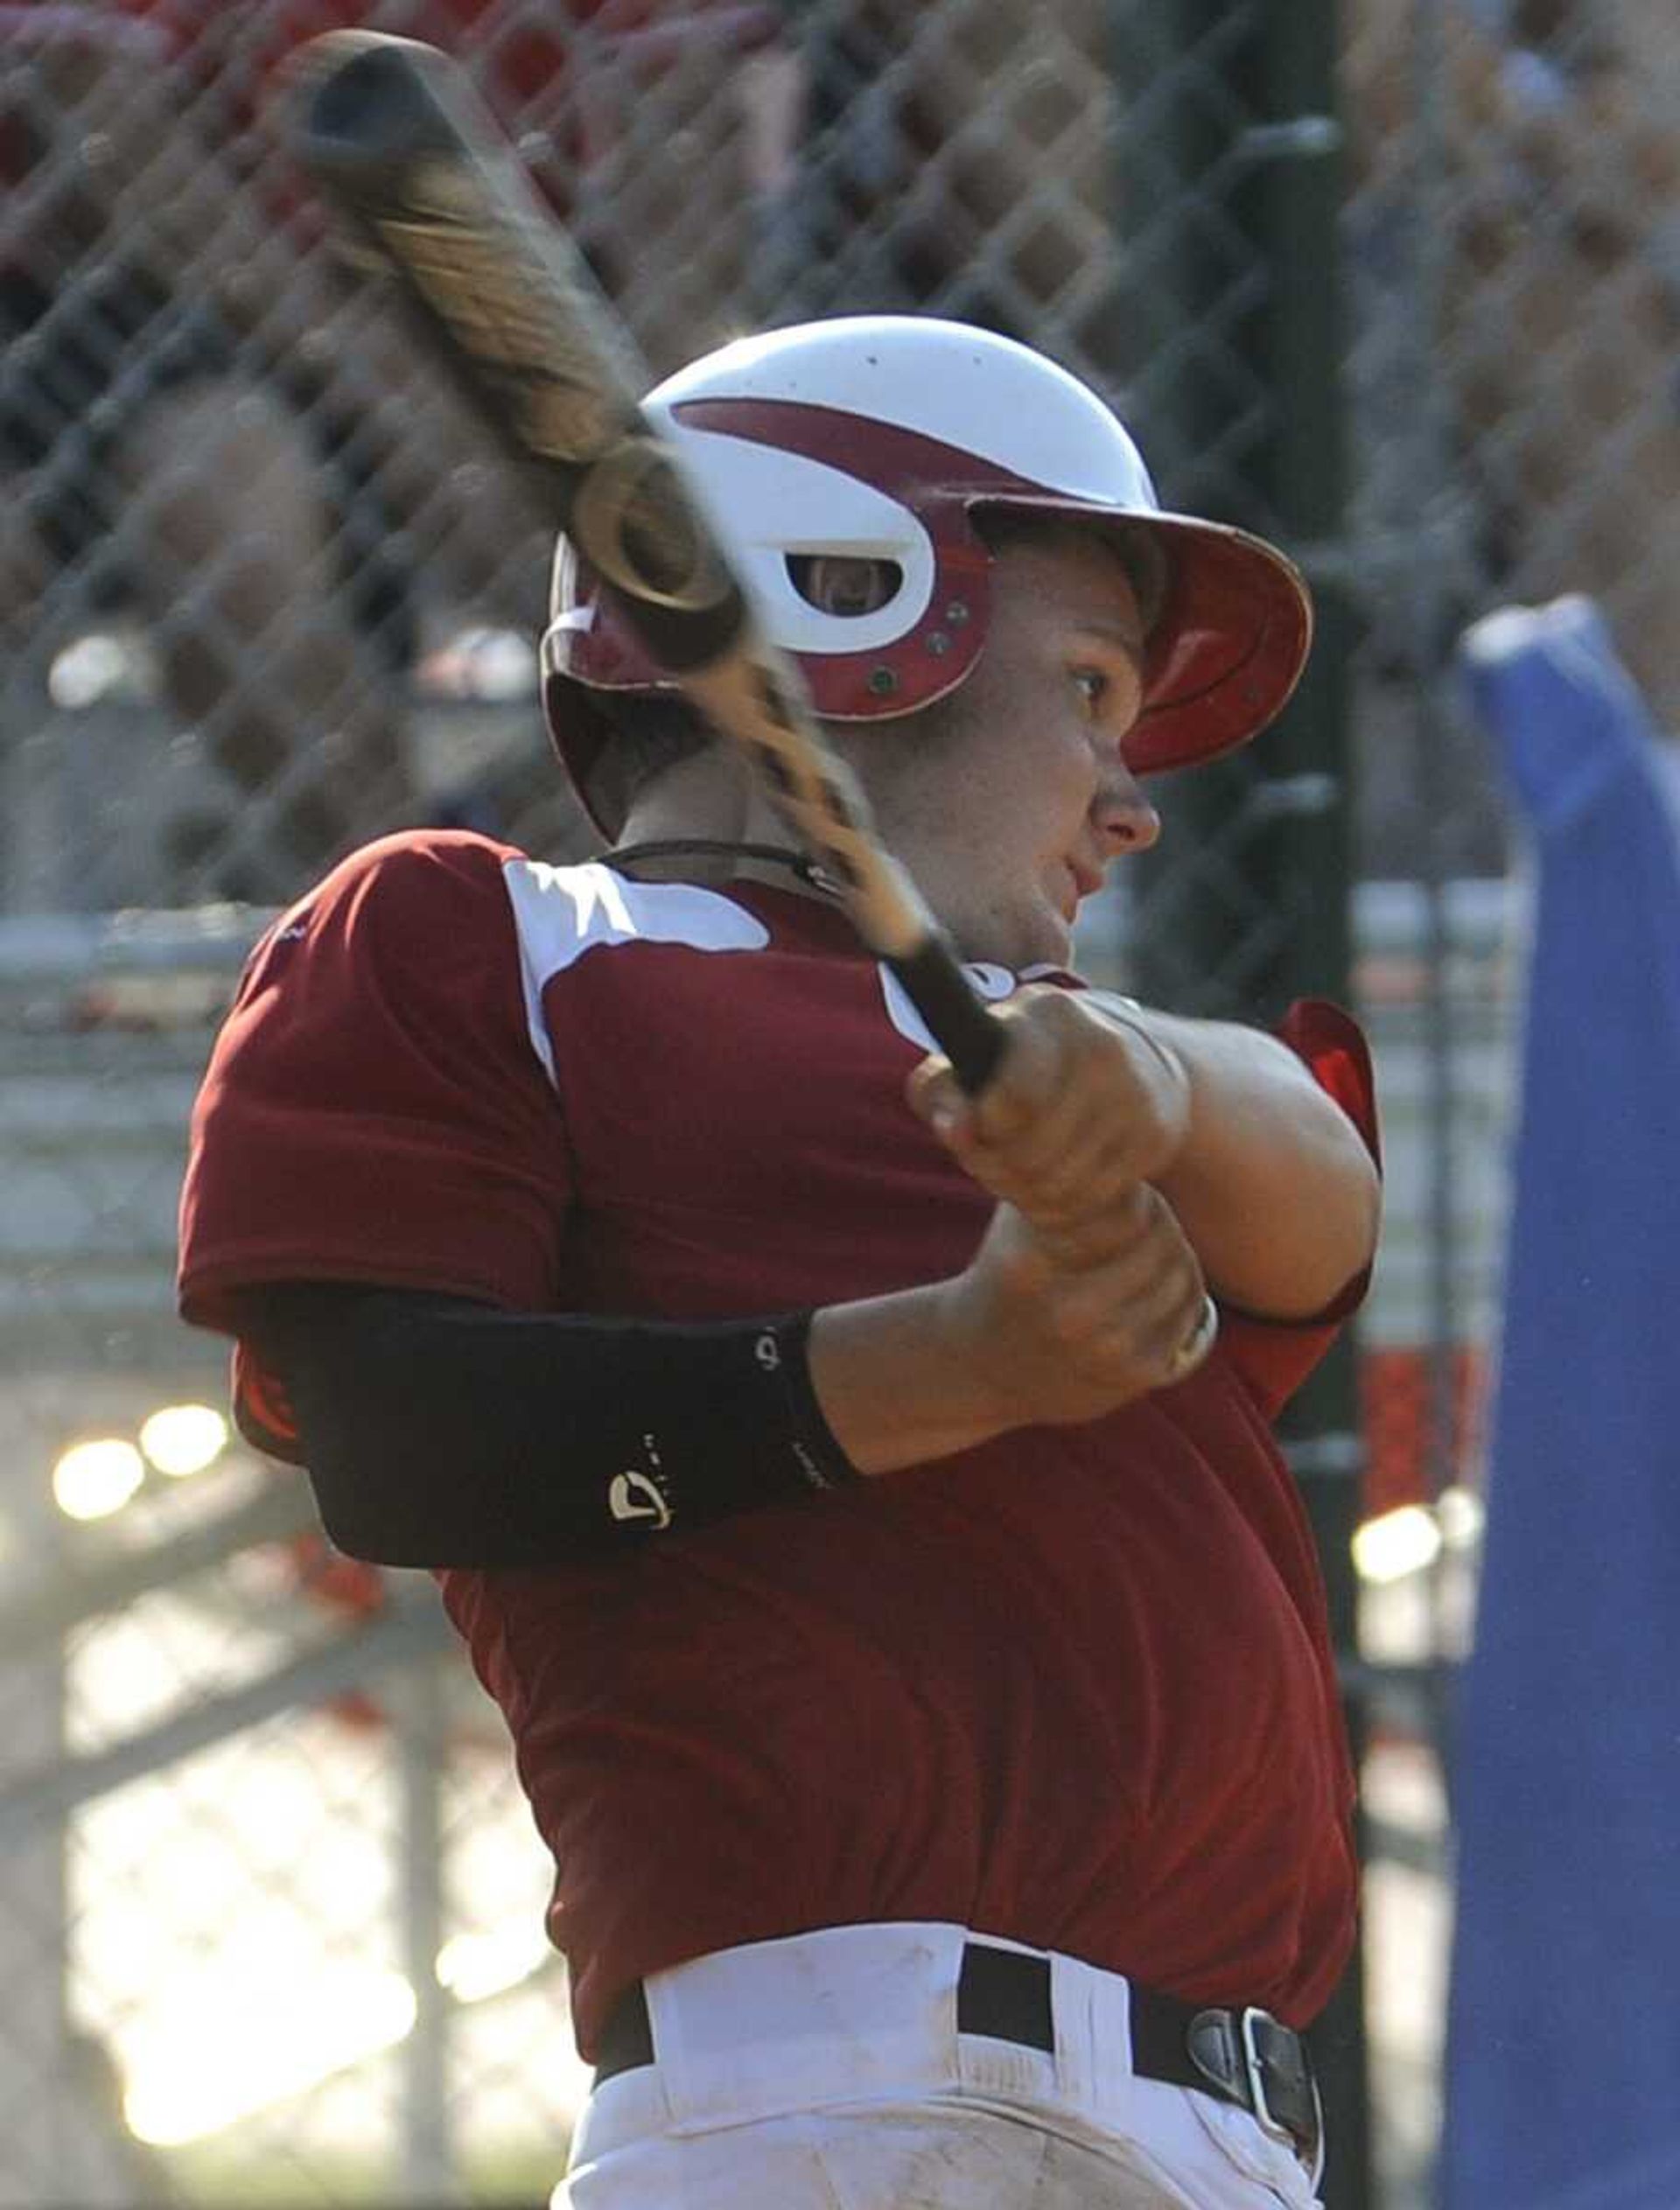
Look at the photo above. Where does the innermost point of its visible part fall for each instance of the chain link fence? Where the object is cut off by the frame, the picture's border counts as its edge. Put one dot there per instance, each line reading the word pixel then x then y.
pixel 269 1905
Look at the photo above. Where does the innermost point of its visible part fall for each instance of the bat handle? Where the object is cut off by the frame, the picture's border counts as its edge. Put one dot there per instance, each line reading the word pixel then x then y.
pixel 972 1039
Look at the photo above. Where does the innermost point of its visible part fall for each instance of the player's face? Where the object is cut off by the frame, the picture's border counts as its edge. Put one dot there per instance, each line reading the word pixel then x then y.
pixel 1010 811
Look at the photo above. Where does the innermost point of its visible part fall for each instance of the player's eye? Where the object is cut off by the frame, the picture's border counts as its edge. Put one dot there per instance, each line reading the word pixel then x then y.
pixel 1093 685
pixel 847 588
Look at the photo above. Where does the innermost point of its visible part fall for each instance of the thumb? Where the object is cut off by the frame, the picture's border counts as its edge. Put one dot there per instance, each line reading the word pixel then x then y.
pixel 935 1096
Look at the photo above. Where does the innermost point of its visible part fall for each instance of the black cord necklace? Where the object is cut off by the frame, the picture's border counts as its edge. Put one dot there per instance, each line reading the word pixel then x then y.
pixel 799 863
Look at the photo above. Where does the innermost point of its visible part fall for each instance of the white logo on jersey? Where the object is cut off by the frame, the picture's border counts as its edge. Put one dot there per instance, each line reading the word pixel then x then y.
pixel 634 1496
pixel 990 980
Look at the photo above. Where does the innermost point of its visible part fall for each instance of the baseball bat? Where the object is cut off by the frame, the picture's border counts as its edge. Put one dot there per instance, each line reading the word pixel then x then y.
pixel 428 191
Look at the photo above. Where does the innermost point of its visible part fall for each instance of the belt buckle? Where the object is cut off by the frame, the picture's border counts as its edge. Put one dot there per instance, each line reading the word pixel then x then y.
pixel 1252 2065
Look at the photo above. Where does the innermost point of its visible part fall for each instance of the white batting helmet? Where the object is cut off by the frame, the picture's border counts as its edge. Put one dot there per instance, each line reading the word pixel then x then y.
pixel 879 438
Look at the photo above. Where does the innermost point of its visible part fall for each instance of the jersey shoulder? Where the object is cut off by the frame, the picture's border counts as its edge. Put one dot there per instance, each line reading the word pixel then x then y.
pixel 418 902
pixel 413 931
pixel 412 862
pixel 373 1109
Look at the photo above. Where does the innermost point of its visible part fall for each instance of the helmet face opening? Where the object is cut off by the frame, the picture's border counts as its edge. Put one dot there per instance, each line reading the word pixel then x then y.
pixel 844 585
pixel 853 466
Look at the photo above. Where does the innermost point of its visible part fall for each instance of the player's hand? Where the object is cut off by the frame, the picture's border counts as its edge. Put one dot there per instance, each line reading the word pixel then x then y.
pixel 1066 1328
pixel 1085 1106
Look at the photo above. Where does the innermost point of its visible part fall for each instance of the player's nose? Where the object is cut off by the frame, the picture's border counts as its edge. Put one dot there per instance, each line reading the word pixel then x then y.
pixel 1124 818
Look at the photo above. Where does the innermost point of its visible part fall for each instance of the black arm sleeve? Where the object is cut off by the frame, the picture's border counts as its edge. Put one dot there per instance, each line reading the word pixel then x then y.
pixel 439 1432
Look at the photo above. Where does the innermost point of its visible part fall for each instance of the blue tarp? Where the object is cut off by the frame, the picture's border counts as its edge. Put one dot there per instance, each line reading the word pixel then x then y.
pixel 1562 2072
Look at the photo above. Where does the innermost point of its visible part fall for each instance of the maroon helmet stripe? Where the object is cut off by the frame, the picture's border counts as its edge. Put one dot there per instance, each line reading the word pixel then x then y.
pixel 882 454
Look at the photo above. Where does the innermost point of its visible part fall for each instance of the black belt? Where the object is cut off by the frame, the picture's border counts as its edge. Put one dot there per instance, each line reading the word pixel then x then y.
pixel 1244 2057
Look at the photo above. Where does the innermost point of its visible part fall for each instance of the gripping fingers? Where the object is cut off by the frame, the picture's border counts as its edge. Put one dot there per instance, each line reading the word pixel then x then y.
pixel 1163 1339
pixel 1057 1171
pixel 1101 1235
pixel 1067 1124
pixel 1091 1173
pixel 1151 1288
pixel 1052 1331
pixel 1139 1309
pixel 1019 1096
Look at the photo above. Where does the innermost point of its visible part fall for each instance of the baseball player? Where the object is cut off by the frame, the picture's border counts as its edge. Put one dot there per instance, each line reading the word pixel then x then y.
pixel 911 1645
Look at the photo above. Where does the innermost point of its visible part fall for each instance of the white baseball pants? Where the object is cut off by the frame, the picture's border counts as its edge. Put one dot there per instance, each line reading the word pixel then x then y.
pixel 826 2073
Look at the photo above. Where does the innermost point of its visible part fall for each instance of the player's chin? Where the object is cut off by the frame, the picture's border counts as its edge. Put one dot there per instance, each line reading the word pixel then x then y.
pixel 1033 927
pixel 1044 936
pixel 1061 920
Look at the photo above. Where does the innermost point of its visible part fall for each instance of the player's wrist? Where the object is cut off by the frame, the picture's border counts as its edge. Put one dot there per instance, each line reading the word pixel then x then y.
pixel 783 1349
pixel 902 1378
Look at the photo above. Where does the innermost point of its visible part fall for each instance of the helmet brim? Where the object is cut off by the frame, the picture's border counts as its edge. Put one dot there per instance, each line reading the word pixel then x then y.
pixel 1227 649
pixel 1230 628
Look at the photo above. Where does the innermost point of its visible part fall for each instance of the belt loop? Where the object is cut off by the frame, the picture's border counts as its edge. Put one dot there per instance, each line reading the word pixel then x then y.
pixel 1095 2063
pixel 1256 2078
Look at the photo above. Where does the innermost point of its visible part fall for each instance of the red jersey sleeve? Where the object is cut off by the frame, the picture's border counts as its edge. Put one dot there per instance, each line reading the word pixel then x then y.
pixel 1274 1357
pixel 375 1109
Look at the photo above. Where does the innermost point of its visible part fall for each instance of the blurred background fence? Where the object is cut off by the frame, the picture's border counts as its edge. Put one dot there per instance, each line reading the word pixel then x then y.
pixel 1395 282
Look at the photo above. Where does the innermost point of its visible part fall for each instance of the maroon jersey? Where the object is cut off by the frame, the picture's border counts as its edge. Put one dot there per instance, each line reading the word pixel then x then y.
pixel 1073 1686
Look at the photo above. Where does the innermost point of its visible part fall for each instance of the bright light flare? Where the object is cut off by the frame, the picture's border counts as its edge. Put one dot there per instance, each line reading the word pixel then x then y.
pixel 1397 1543
pixel 211 2070
pixel 473 1966
pixel 1462 1518
pixel 184 1439
pixel 94 1479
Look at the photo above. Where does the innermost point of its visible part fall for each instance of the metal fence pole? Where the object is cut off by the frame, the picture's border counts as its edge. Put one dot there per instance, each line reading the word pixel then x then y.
pixel 1297 195
pixel 1247 426
pixel 1430 621
pixel 428 2150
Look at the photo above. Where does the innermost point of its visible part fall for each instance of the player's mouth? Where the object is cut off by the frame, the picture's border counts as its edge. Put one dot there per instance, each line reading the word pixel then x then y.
pixel 1082 879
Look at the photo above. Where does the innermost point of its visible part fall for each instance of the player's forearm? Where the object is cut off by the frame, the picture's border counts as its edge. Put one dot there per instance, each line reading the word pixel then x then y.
pixel 1272 1184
